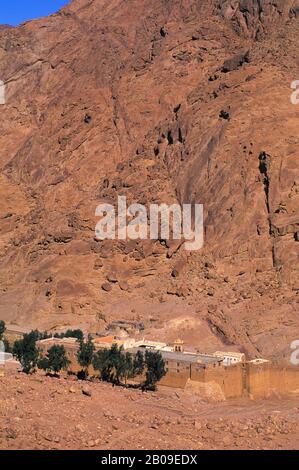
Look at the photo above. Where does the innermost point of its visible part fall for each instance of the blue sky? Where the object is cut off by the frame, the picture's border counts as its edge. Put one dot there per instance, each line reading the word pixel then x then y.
pixel 14 12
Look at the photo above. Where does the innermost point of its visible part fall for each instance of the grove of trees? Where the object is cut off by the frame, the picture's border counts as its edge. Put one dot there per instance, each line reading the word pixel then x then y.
pixel 71 334
pixel 117 366
pixel 55 360
pixel 114 365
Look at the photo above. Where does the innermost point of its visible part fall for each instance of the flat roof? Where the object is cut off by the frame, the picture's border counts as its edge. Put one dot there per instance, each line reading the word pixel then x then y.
pixel 183 357
pixel 16 329
pixel 58 340
pixel 149 342
pixel 189 357
pixel 229 353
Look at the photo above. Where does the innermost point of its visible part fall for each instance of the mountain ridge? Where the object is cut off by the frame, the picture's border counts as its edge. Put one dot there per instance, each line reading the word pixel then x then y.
pixel 189 98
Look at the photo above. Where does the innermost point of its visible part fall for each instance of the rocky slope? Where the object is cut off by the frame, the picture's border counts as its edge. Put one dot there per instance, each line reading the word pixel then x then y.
pixel 161 101
pixel 39 413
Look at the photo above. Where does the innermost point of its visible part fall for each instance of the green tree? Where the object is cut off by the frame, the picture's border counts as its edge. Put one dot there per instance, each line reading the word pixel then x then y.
pixel 138 365
pixel 129 367
pixel 26 352
pixel 115 365
pixel 103 364
pixel 71 334
pixel 123 366
pixel 44 335
pixel 155 369
pixel 37 335
pixel 2 329
pixel 85 355
pixel 116 362
pixel 110 363
pixel 55 360
pixel 74 334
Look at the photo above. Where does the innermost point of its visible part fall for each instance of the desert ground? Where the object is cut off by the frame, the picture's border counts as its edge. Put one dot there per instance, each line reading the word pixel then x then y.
pixel 191 104
pixel 175 102
pixel 39 412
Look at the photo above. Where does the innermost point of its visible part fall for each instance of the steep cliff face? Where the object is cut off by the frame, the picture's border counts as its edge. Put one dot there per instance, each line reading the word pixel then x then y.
pixel 161 101
pixel 253 18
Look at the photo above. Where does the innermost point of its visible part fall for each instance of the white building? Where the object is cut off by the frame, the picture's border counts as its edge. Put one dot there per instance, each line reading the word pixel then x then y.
pixel 152 345
pixel 230 358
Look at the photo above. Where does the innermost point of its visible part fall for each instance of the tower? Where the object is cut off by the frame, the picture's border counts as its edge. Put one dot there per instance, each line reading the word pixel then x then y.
pixel 178 345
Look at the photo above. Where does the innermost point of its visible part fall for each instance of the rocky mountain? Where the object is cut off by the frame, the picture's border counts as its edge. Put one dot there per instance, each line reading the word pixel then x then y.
pixel 161 101
pixel 4 26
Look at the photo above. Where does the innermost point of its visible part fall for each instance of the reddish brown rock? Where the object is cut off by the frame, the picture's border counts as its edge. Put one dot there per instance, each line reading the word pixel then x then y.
pixel 124 285
pixel 107 287
pixel 168 109
pixel 112 277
